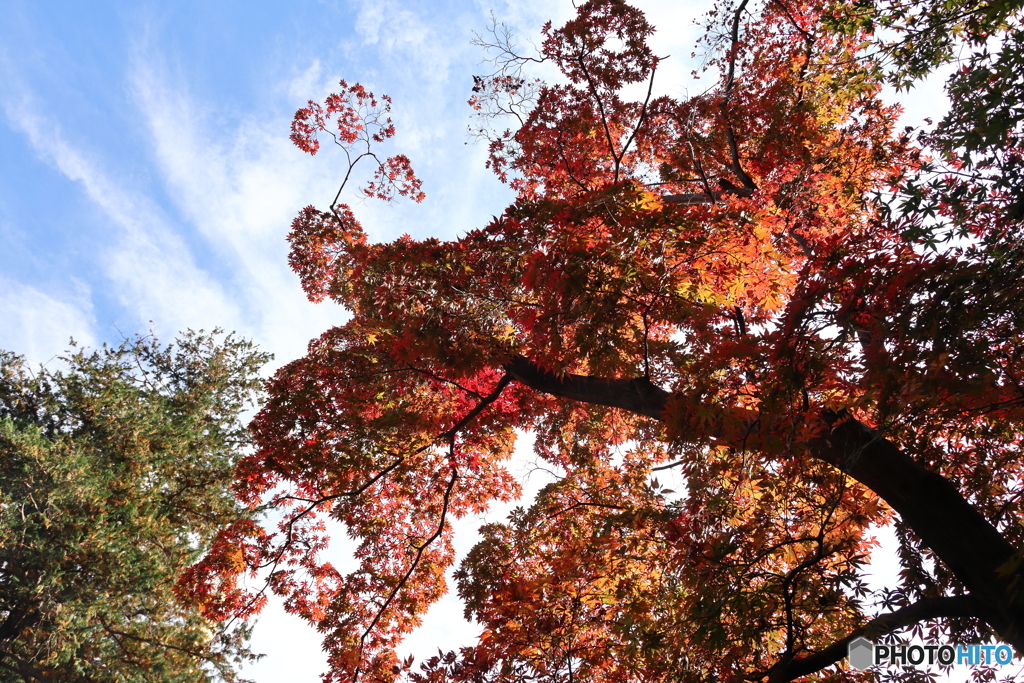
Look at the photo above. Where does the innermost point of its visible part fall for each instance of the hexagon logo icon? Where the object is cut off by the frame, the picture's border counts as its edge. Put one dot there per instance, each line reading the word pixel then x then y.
pixel 860 654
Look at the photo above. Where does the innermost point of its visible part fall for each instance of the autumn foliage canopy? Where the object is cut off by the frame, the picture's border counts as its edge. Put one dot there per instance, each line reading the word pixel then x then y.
pixel 810 316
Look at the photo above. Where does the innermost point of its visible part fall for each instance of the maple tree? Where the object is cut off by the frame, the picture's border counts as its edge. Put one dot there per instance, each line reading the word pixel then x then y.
pixel 808 317
pixel 114 475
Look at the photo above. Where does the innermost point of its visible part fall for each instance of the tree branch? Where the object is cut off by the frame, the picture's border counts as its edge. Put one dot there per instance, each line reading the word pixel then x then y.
pixel 689 199
pixel 637 395
pixel 412 568
pixel 698 198
pixel 928 608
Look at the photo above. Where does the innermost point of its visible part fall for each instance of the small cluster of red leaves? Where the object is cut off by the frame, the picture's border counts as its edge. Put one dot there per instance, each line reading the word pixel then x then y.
pixel 604 48
pixel 356 120
pixel 360 118
pixel 213 582
pixel 320 244
pixel 578 135
pixel 723 247
pixel 395 176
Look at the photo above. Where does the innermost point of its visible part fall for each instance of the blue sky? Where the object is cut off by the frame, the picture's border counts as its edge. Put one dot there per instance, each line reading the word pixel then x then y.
pixel 147 180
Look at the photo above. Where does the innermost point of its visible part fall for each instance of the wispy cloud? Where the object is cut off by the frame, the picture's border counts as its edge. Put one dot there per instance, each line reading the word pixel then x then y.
pixel 151 269
pixel 238 188
pixel 38 325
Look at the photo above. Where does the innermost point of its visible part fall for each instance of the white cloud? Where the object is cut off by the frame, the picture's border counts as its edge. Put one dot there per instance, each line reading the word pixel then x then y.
pixel 239 191
pixel 152 270
pixel 38 325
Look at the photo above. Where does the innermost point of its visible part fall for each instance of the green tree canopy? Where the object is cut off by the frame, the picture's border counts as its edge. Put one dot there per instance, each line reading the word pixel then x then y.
pixel 113 474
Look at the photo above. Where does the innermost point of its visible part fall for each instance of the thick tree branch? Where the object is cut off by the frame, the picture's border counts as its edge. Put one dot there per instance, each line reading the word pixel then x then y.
pixel 929 608
pixel 635 395
pixel 933 508
pixel 689 199
pixel 699 198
